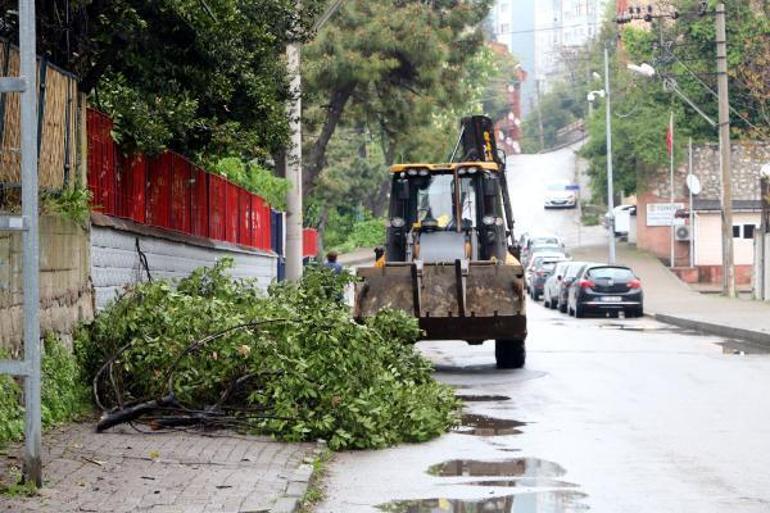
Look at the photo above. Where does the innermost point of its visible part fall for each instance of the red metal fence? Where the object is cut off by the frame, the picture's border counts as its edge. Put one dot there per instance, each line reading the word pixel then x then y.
pixel 171 192
pixel 309 242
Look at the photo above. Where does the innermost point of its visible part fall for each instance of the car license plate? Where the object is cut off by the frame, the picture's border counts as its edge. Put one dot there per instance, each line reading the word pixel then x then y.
pixel 611 299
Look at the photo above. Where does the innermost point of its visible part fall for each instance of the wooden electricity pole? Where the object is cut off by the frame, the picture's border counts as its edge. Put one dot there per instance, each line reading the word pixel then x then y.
pixel 725 149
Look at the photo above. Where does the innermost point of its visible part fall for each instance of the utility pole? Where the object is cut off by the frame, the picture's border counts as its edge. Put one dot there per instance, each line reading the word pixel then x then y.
pixel 671 191
pixel 540 116
pixel 293 160
pixel 610 191
pixel 692 214
pixel 725 149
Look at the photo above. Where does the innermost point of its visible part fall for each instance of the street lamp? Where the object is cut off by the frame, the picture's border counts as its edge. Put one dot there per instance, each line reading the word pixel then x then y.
pixel 591 97
pixel 670 85
pixel 643 69
pixel 593 94
pixel 605 93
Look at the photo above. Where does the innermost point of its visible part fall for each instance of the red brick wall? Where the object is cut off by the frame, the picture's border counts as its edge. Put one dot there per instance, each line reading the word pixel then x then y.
pixel 713 274
pixel 657 239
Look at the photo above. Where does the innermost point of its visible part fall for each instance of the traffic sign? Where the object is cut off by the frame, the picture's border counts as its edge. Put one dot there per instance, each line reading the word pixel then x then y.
pixel 693 183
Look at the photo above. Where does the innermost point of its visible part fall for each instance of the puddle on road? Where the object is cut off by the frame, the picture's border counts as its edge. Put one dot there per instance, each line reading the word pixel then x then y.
pixel 735 347
pixel 518 467
pixel 525 482
pixel 529 474
pixel 543 502
pixel 482 425
pixel 482 398
pixel 653 328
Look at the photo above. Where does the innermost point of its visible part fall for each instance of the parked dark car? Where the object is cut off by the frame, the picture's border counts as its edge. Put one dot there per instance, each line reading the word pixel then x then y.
pixel 601 288
pixel 570 273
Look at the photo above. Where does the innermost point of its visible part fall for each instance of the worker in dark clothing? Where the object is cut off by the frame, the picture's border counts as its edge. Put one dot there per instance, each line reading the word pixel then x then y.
pixel 331 262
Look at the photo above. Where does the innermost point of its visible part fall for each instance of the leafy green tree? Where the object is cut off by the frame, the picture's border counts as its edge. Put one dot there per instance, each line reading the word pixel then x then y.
pixel 641 107
pixel 205 77
pixel 383 57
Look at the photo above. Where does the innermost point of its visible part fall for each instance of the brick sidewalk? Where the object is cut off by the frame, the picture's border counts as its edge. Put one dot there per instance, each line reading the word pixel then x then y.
pixel 126 471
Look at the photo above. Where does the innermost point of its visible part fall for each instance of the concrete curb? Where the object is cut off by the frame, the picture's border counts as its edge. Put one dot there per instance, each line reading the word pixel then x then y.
pixel 757 337
pixel 299 482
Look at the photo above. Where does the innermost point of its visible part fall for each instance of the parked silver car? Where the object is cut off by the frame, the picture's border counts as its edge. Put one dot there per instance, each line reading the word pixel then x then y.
pixel 551 290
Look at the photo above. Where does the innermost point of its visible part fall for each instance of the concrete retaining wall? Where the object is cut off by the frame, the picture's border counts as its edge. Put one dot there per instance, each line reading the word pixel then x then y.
pixel 119 247
pixel 65 290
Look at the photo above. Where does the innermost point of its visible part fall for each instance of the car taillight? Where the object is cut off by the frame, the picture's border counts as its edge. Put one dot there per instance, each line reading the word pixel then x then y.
pixel 634 284
pixel 586 284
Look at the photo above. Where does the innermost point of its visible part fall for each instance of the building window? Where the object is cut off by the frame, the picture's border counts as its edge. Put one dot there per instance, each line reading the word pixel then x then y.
pixel 504 28
pixel 748 231
pixel 736 231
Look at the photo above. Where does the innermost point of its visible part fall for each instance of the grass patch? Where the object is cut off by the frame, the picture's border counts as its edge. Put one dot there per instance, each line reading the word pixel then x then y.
pixel 17 487
pixel 315 492
pixel 65 395
pixel 591 215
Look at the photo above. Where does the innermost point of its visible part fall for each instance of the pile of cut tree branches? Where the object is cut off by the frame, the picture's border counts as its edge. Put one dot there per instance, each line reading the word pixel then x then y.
pixel 210 351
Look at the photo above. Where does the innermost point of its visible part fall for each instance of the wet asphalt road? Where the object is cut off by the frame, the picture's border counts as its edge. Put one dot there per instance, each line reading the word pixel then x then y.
pixel 611 416
pixel 608 416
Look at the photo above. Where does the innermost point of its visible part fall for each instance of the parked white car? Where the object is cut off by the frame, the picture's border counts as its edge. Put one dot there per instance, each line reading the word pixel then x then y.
pixel 560 195
pixel 622 214
pixel 551 290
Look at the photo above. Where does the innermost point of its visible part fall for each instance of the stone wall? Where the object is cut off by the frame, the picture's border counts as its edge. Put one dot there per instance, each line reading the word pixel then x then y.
pixel 65 289
pixel 747 159
pixel 123 252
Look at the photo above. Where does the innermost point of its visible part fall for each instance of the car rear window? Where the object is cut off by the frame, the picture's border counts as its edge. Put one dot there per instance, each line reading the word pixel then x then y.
pixel 614 273
pixel 573 270
pixel 546 242
pixel 549 266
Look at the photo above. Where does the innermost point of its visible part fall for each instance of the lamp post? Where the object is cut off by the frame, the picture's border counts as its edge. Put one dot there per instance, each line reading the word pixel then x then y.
pixel 610 191
pixel 591 97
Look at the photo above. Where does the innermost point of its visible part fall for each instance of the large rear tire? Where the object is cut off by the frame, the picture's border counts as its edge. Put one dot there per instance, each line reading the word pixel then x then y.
pixel 510 354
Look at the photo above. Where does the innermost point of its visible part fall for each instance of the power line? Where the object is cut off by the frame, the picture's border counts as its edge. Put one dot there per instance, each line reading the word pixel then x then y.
pixel 546 29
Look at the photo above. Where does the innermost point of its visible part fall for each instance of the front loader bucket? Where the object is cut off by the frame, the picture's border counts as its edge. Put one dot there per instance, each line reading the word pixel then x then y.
pixel 472 301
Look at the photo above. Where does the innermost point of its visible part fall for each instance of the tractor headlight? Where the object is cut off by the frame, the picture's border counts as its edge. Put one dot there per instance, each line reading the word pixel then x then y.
pixel 488 220
pixel 423 172
pixel 462 171
pixel 397 222
pixel 472 170
pixel 411 172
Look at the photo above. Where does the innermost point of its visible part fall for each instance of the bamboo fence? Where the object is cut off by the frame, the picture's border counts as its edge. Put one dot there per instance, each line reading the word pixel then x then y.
pixel 58 120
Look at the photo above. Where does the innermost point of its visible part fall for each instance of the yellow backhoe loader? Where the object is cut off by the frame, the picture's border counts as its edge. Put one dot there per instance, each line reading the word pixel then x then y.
pixel 450 258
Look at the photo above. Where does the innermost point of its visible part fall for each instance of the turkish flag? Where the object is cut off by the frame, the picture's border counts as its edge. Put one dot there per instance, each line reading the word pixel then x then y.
pixel 670 135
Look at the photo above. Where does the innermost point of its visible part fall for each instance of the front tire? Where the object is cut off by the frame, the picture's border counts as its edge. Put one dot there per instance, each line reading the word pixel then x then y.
pixel 510 354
